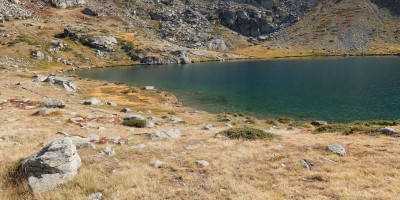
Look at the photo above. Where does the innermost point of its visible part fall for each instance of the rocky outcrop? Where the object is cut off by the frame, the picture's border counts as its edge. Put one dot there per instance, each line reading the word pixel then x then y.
pixel 102 43
pixel 67 83
pixel 55 164
pixel 152 60
pixel 12 10
pixel 67 3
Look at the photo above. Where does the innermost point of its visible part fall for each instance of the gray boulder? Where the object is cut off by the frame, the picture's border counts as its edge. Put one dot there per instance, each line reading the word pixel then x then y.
pixel 388 131
pixel 337 149
pixel 55 164
pixel 55 103
pixel 92 101
pixel 126 110
pixel 172 133
pixel 217 44
pixel 90 12
pixel 319 123
pixel 38 55
pixel 67 83
pixel 102 43
pixel 44 112
pixel 66 3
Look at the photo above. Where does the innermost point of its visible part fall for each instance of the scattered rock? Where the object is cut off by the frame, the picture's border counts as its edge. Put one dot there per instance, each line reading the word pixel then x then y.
pixel 149 124
pixel 90 12
pixel 338 149
pixel 388 131
pixel 110 103
pixel 217 44
pixel 55 103
pixel 126 110
pixel 224 119
pixel 86 145
pixel 208 127
pixel 307 164
pixel 172 133
pixel 108 151
pixel 319 123
pixel 38 55
pixel 4 138
pixel 66 3
pixel 92 101
pixel 55 164
pixel 3 101
pixel 138 146
pixel 93 137
pixel 158 164
pixel 67 83
pixel 44 112
pixel 202 163
pixel 102 43
pixel 96 196
pixel 149 88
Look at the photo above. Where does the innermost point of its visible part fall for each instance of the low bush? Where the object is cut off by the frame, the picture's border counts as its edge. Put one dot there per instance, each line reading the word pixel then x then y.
pixel 247 134
pixel 135 123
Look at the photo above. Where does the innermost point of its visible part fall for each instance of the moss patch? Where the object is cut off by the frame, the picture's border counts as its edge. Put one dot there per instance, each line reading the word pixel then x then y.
pixel 247 134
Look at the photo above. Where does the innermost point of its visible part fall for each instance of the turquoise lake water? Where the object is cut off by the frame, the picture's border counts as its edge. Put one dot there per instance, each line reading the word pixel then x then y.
pixel 332 89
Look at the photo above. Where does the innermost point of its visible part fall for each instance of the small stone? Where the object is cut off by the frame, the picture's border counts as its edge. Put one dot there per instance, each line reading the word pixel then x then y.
pixel 388 131
pixel 202 163
pixel 338 149
pixel 307 164
pixel 135 117
pixel 224 119
pixel 126 110
pixel 76 119
pixel 93 137
pixel 319 123
pixel 281 145
pixel 108 151
pixel 92 101
pixel 44 112
pixel 208 127
pixel 55 103
pixel 3 101
pixel 158 164
pixel 96 196
pixel 85 145
pixel 110 103
pixel 4 138
pixel 138 146
pixel 149 88
pixel 114 139
pixel 229 125
pixel 150 124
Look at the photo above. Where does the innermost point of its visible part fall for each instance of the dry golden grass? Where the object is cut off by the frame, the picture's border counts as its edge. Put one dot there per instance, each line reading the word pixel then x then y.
pixel 238 169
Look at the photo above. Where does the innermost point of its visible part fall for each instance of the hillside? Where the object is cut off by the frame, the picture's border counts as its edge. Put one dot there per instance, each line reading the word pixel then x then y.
pixel 182 32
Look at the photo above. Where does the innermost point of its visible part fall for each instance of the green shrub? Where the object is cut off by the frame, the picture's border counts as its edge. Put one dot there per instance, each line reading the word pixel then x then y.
pixel 247 134
pixel 378 123
pixel 135 123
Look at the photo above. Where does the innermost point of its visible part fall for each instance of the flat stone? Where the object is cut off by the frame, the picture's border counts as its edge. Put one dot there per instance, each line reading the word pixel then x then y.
pixel 93 137
pixel 307 164
pixel 202 163
pixel 338 149
pixel 172 133
pixel 158 164
pixel 55 103
pixel 108 151
pixel 136 117
pixel 3 101
pixel 44 111
pixel 149 88
pixel 126 110
pixel 149 124
pixel 208 127
pixel 319 123
pixel 388 131
pixel 92 101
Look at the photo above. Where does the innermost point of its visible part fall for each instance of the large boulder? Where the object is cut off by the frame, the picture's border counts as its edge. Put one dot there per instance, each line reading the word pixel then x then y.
pixel 102 43
pixel 217 44
pixel 55 164
pixel 67 3
pixel 337 149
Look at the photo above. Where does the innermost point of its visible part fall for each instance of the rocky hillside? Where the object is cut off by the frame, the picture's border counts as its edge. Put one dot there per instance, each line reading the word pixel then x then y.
pixel 92 33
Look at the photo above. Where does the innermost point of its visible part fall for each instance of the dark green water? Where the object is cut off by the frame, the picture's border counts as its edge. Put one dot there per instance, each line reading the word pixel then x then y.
pixel 332 89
